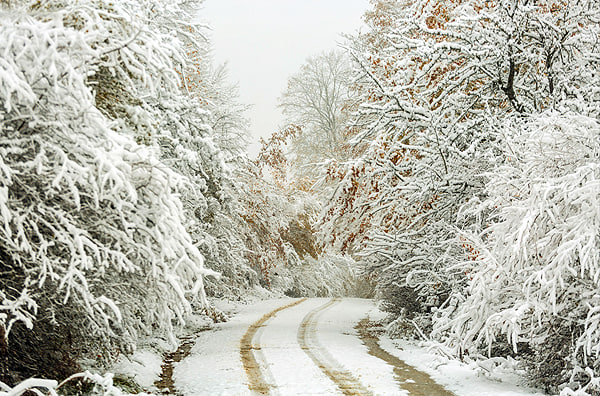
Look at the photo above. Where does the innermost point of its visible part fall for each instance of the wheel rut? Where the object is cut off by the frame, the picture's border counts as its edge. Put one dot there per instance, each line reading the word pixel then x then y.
pixel 416 382
pixel 307 338
pixel 249 349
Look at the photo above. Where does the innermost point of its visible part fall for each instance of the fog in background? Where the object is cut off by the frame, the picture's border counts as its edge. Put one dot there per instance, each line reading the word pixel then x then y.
pixel 263 42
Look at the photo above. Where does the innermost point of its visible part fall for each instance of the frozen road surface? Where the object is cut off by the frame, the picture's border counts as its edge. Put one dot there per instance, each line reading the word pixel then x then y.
pixel 316 346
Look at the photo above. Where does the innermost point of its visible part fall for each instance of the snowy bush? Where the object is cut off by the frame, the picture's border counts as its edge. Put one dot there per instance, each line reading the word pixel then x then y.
pixel 326 275
pixel 93 384
pixel 534 280
pixel 92 236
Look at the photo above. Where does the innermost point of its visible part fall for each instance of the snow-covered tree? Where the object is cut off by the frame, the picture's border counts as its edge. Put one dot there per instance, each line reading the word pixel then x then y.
pixel 438 82
pixel 533 270
pixel 93 244
pixel 317 99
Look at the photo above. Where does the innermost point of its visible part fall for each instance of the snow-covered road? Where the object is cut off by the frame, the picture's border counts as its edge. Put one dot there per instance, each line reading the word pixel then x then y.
pixel 289 347
pixel 308 347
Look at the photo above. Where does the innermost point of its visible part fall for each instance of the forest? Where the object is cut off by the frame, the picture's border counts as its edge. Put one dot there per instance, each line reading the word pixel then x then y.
pixel 444 161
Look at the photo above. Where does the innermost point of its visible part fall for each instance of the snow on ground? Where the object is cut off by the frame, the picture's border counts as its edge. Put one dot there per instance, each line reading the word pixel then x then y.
pixel 214 366
pixel 337 334
pixel 461 378
pixel 144 366
pixel 464 379
pixel 295 373
pixel 289 368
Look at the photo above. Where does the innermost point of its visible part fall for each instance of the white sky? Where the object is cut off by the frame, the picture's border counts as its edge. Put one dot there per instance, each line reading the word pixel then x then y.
pixel 266 41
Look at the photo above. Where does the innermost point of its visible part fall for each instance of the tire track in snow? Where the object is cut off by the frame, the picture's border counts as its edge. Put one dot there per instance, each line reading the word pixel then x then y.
pixel 416 382
pixel 250 348
pixel 307 338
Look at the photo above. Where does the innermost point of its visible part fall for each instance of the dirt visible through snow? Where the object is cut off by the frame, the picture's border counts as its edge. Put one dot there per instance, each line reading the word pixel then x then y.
pixel 259 370
pixel 166 384
pixel 257 383
pixel 416 382
pixel 316 346
pixel 307 338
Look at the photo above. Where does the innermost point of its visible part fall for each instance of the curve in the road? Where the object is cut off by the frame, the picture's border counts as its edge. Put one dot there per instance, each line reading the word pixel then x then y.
pixel 307 338
pixel 256 378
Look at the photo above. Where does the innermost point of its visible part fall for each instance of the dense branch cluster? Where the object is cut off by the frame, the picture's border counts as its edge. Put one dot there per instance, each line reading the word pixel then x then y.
pixel 472 204
pixel 452 150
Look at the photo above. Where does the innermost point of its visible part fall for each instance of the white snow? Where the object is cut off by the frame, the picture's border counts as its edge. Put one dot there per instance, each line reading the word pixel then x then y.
pixel 337 334
pixel 144 366
pixel 289 368
pixel 461 378
pixel 464 379
pixel 214 366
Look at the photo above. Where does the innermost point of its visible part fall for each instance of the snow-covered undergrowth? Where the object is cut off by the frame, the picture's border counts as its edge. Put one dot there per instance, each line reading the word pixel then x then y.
pixel 534 281
pixel 97 385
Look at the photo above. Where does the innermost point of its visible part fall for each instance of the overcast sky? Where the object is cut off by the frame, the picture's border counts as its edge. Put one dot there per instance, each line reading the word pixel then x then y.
pixel 266 41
